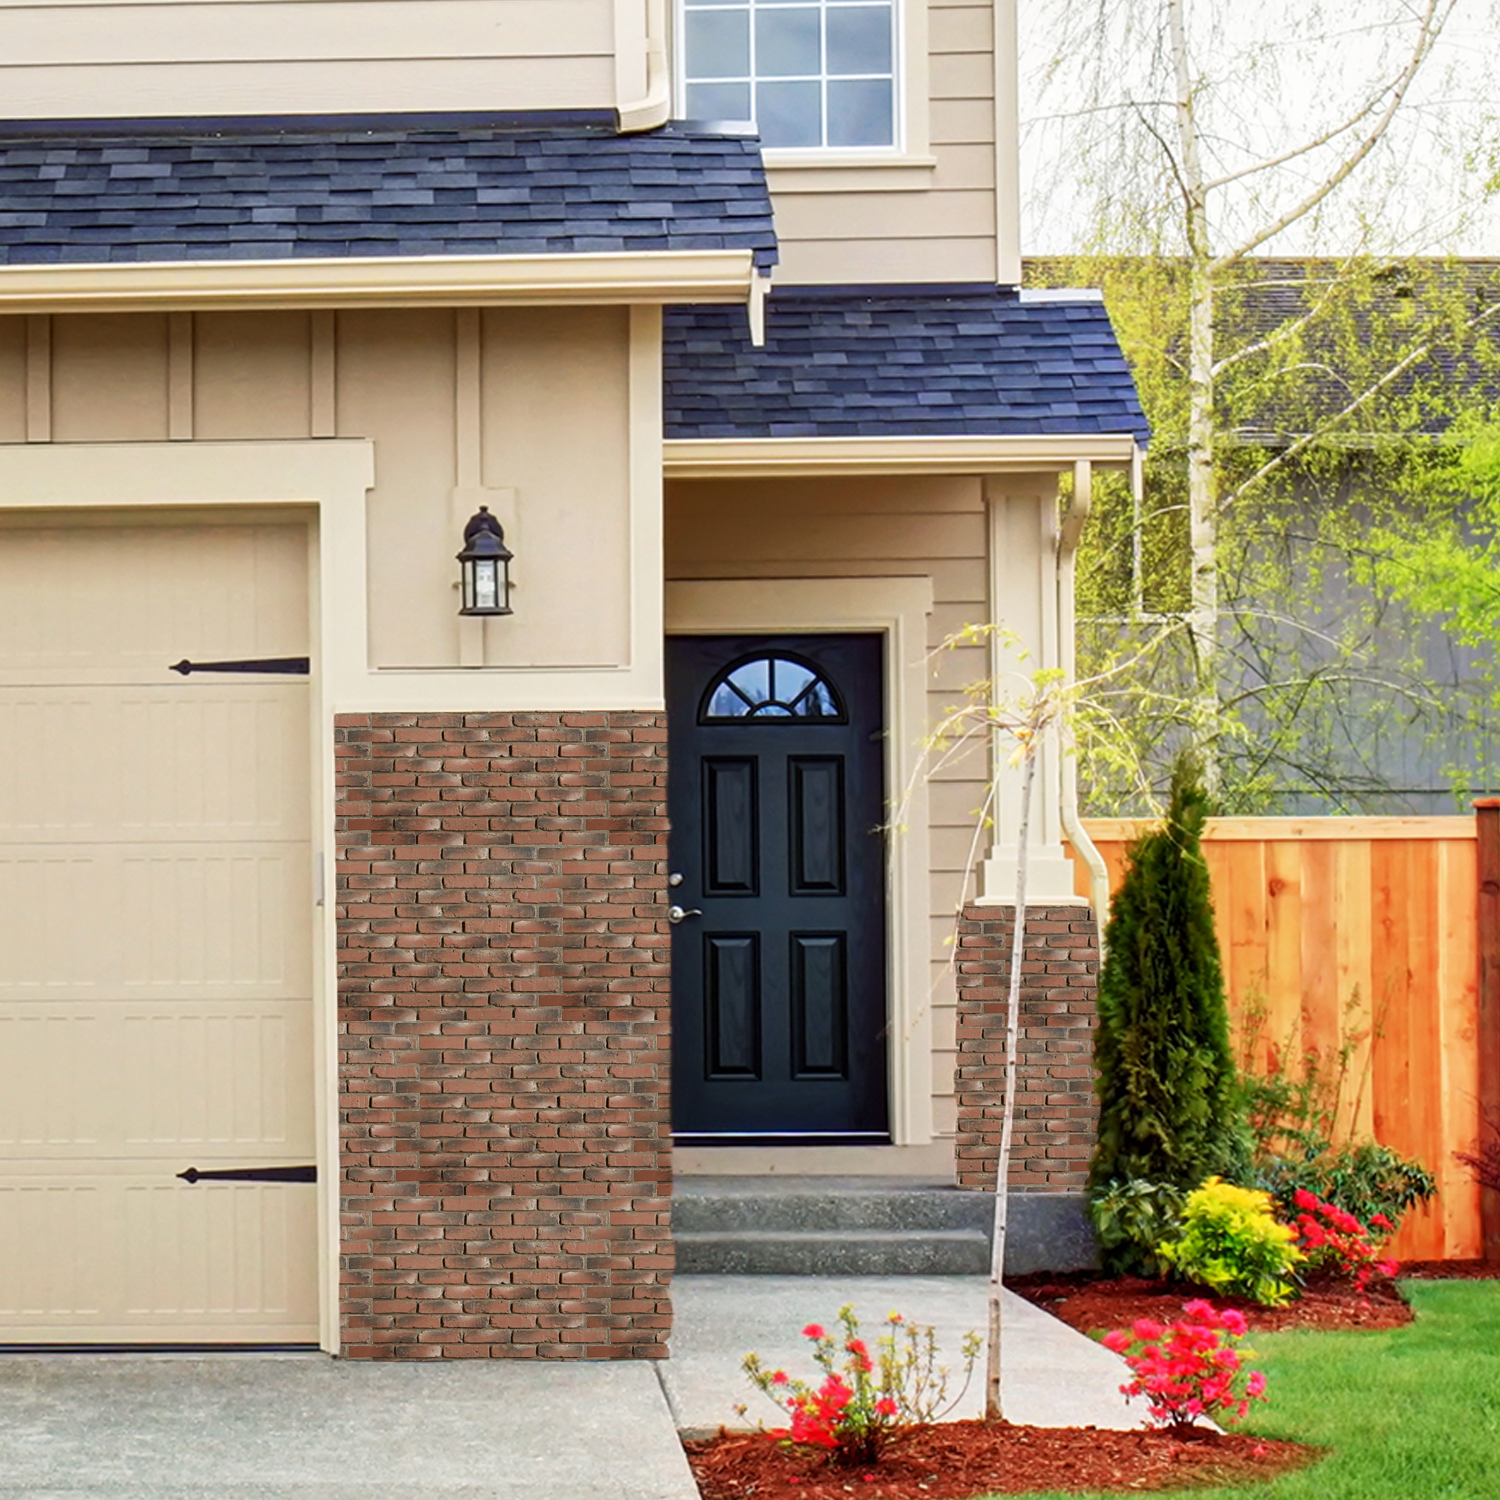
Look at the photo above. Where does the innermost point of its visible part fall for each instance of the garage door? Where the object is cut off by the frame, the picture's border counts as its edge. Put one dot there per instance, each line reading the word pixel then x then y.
pixel 155 936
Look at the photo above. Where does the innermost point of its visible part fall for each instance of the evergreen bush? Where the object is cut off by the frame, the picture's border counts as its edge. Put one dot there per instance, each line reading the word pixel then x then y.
pixel 1169 1106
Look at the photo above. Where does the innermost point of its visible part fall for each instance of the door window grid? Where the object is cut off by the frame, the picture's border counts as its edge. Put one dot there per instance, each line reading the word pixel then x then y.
pixel 818 74
pixel 768 688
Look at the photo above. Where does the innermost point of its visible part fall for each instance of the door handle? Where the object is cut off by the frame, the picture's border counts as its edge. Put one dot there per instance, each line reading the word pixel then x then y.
pixel 676 914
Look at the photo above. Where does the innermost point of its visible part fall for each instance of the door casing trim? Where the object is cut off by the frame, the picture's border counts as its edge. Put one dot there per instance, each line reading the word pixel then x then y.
pixel 897 609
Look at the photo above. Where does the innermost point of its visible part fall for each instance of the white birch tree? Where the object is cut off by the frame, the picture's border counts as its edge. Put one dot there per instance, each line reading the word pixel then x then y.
pixel 1192 129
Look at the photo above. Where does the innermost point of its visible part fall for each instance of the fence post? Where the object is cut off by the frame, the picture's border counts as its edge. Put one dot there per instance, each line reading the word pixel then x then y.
pixel 1487 821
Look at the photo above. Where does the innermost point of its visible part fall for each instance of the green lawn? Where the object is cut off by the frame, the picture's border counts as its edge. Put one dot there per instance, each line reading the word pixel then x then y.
pixel 1412 1414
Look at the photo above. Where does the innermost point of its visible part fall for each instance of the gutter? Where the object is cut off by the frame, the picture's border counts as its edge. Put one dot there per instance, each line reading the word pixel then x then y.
pixel 1067 554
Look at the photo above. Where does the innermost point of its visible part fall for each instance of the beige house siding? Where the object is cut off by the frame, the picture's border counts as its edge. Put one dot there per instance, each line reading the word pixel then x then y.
pixel 526 410
pixel 812 528
pixel 908 223
pixel 109 58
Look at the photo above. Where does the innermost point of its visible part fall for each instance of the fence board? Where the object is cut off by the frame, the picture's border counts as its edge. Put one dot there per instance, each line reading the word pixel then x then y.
pixel 1358 934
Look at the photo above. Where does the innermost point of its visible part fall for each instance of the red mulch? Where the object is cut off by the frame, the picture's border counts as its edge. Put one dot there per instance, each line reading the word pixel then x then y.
pixel 1090 1303
pixel 956 1460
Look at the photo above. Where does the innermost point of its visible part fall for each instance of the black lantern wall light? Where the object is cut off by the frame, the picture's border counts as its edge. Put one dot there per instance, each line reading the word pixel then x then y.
pixel 485 564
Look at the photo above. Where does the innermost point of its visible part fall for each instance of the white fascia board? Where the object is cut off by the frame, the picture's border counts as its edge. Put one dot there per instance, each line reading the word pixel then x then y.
pixel 744 458
pixel 651 276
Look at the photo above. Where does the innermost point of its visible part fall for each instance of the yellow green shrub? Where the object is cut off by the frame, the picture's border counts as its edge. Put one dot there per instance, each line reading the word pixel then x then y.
pixel 1230 1241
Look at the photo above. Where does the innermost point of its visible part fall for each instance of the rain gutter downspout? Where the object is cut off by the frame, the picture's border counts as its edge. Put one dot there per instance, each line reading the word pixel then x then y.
pixel 656 107
pixel 1067 551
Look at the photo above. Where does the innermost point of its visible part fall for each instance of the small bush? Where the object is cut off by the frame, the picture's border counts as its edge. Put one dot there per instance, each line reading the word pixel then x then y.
pixel 1363 1178
pixel 867 1398
pixel 1231 1242
pixel 1332 1240
pixel 1189 1369
pixel 1132 1218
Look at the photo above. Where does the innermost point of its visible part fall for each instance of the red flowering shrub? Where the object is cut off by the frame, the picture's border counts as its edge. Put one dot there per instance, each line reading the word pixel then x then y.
pixel 865 1399
pixel 1191 1368
pixel 1334 1240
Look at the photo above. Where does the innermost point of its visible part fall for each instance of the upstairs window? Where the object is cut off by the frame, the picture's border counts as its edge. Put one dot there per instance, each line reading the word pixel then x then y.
pixel 809 73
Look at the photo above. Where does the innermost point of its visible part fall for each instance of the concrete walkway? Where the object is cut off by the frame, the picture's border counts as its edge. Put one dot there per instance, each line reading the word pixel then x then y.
pixel 305 1427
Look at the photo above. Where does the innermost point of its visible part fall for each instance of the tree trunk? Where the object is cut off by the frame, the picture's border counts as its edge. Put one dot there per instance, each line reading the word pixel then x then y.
pixel 992 1405
pixel 1203 528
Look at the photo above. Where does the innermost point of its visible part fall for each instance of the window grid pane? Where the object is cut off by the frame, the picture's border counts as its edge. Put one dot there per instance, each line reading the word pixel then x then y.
pixel 786 86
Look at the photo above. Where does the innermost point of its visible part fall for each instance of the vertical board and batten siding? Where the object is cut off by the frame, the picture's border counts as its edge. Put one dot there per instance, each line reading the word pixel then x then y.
pixel 848 225
pixel 1359 932
pixel 94 59
pixel 878 527
pixel 459 404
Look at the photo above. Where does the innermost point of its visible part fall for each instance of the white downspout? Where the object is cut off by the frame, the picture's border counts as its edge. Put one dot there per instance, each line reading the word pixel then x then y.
pixel 656 107
pixel 1067 551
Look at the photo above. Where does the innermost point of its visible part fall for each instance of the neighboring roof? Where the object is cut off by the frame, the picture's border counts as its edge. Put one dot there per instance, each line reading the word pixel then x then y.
pixel 898 361
pixel 1424 327
pixel 272 190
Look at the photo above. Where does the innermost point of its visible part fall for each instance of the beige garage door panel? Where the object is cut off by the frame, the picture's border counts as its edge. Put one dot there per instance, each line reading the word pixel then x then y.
pixel 156 911
pixel 84 1081
pixel 163 920
pixel 93 596
pixel 102 1258
pixel 160 781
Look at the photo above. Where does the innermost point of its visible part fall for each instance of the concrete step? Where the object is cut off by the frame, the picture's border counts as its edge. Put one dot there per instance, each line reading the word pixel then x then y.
pixel 859 1252
pixel 868 1226
pixel 825 1203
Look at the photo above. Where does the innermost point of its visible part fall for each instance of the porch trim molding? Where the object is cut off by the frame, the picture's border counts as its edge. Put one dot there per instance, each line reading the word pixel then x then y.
pixel 654 276
pixel 773 457
pixel 897 607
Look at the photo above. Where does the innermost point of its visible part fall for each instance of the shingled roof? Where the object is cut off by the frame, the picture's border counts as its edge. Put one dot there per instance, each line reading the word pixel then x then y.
pixel 253 190
pixel 899 361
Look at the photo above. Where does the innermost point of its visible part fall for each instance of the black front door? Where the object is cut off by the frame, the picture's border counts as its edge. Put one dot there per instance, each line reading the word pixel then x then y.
pixel 777 797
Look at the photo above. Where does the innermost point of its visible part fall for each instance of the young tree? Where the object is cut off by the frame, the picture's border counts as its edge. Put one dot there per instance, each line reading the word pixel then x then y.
pixel 1165 1070
pixel 1177 144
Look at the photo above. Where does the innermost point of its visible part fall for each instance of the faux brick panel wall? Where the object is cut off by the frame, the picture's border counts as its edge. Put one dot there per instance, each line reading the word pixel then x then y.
pixel 1056 1111
pixel 503 1010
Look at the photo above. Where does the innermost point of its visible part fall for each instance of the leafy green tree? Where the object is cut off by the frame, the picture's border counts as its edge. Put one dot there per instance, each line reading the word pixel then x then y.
pixel 1168 1100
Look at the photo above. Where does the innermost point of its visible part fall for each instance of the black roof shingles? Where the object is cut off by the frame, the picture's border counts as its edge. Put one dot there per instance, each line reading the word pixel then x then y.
pixel 912 361
pixel 246 190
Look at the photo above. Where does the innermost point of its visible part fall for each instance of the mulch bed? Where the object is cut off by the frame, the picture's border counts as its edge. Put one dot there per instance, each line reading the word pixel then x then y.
pixel 956 1460
pixel 1091 1303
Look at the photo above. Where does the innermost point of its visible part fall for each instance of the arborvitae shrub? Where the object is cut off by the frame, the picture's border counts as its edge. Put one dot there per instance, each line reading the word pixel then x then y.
pixel 1169 1110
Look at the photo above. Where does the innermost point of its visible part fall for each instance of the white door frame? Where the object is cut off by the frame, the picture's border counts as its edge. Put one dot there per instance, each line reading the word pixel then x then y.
pixel 896 608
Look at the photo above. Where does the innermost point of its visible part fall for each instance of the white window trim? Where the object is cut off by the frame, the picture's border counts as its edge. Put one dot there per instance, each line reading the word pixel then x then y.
pixel 796 169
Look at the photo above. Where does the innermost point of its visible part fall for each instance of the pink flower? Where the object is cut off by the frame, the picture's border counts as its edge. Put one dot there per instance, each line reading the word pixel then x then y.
pixel 814 1331
pixel 1147 1330
pixel 1304 1199
pixel 1255 1386
pixel 1118 1340
pixel 1234 1322
pixel 885 1407
pixel 778 1377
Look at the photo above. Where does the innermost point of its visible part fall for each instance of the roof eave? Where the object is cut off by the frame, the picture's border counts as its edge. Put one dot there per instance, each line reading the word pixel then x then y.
pixel 771 457
pixel 644 276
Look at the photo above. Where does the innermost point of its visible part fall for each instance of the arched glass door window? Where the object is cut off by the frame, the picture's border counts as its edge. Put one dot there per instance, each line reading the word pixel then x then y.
pixel 771 687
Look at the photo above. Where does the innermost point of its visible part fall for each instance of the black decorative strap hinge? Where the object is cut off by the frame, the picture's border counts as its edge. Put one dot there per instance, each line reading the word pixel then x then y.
pixel 252 1174
pixel 287 666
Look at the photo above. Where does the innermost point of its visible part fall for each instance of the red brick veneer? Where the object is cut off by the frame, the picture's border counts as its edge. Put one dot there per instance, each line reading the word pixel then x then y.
pixel 503 1016
pixel 1056 1112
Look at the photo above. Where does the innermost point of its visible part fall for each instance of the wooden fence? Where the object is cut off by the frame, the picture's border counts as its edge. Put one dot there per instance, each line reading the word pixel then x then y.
pixel 1360 935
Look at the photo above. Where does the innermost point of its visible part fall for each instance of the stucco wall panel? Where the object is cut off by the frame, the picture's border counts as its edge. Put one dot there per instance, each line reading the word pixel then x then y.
pixel 251 375
pixel 109 379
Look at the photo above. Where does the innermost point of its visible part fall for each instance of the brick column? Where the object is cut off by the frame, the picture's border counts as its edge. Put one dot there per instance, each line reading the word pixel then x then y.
pixel 1056 1112
pixel 503 1018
